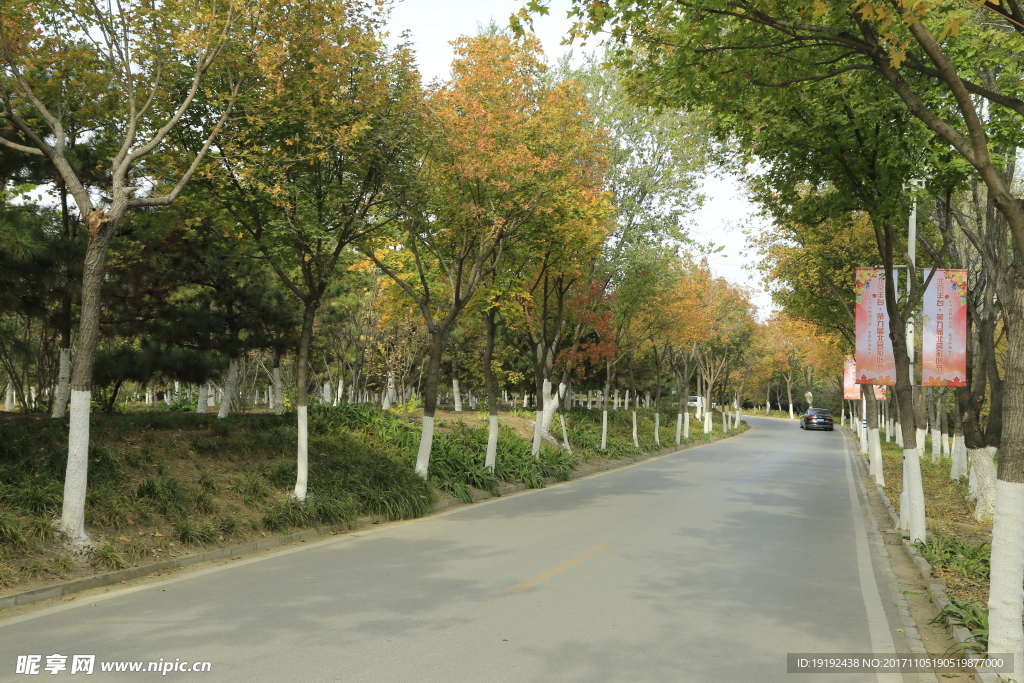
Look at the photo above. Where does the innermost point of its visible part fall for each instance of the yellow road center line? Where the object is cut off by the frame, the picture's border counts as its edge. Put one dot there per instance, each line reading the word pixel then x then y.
pixel 557 569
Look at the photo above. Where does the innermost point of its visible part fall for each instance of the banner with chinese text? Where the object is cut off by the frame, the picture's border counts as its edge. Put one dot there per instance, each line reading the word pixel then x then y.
pixel 851 392
pixel 944 339
pixel 875 361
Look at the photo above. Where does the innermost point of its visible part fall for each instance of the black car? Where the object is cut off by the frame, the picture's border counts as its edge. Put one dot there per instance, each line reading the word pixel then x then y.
pixel 816 418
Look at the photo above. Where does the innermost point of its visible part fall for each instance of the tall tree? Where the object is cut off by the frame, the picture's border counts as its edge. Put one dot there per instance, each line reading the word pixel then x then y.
pixel 144 67
pixel 306 167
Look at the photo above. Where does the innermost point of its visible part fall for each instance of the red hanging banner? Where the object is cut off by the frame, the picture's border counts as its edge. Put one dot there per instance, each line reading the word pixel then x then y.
pixel 851 392
pixel 944 339
pixel 875 361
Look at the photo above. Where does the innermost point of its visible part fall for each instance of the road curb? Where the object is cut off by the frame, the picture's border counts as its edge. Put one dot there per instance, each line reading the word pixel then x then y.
pixel 115 577
pixel 578 474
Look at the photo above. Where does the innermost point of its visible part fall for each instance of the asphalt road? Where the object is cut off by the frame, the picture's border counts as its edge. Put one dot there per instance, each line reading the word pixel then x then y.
pixel 710 564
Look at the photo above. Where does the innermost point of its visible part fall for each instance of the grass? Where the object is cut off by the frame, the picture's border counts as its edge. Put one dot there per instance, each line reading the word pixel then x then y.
pixel 968 615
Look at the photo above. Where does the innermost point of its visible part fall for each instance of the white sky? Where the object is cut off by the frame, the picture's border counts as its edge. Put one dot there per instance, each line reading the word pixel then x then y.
pixel 434 23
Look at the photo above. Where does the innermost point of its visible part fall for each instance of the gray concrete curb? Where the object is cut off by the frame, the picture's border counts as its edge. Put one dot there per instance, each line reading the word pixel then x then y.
pixel 111 578
pixel 936 587
pixel 514 488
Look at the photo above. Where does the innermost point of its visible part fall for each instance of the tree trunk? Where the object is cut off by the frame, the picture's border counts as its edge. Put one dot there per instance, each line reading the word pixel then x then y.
pixel 874 440
pixel 389 392
pixel 490 329
pixel 455 391
pixel 1006 595
pixel 60 400
pixel 278 390
pixel 636 440
pixel 72 520
pixel 230 387
pixel 958 464
pixel 302 399
pixel 201 402
pixel 438 336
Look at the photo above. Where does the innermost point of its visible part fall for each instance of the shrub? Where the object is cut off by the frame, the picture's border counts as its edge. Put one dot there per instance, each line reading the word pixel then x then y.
pixel 11 533
pixel 108 556
pixel 191 532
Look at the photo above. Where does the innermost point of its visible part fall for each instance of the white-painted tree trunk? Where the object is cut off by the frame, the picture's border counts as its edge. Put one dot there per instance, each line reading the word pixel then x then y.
pixel 203 398
pixel 899 435
pixel 791 416
pixel 958 464
pixel 604 429
pixel 302 461
pixel 982 486
pixel 915 495
pixel 230 386
pixel 211 397
pixel 679 429
pixel 1006 594
pixel 636 440
pixel 565 433
pixel 686 425
pixel 707 422
pixel 60 400
pixel 590 399
pixel 936 445
pixel 862 431
pixel 426 441
pixel 73 510
pixel 615 404
pixel 538 423
pixel 490 457
pixel 326 395
pixel 878 473
pixel 389 392
pixel 278 393
pixel 9 398
pixel 657 428
pixel 921 434
pixel 457 394
pixel 551 402
pixel 904 497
